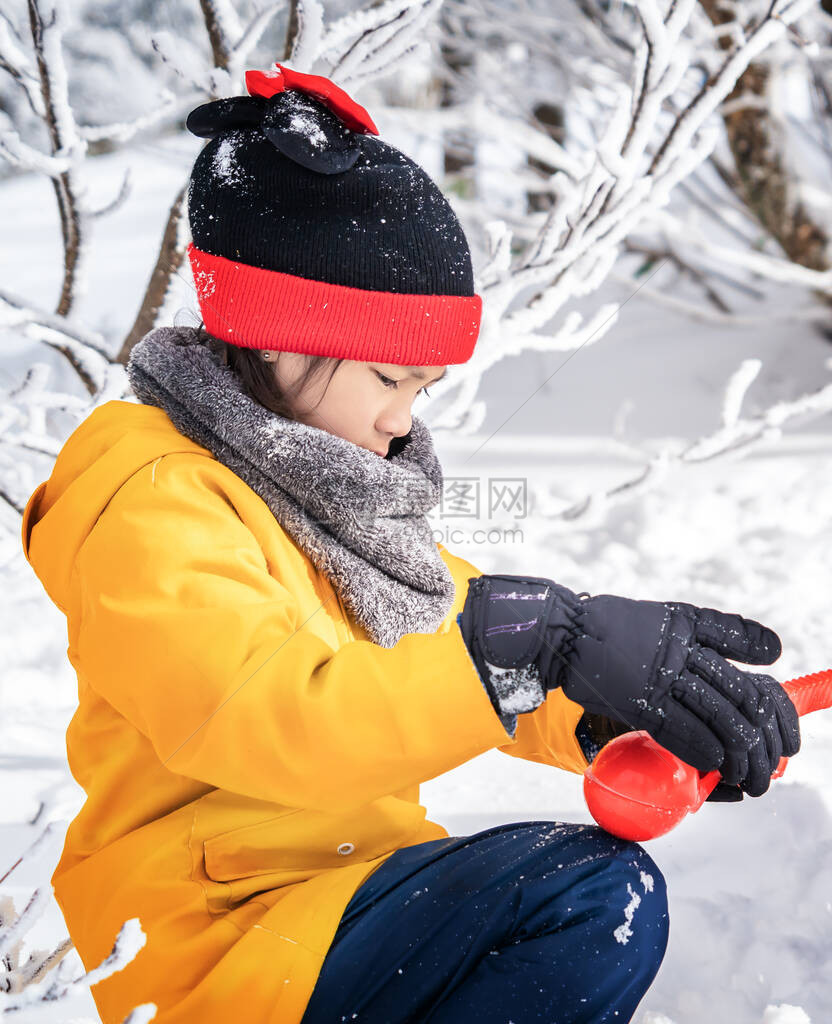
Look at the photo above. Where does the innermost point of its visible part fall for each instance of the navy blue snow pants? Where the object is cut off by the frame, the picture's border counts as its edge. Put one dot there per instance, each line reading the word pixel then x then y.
pixel 538 922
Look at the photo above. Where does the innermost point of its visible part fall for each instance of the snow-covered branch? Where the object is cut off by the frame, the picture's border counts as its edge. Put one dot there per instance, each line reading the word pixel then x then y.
pixel 24 408
pixel 19 154
pixel 765 265
pixel 625 180
pixel 122 132
pixel 85 350
pixel 43 980
pixel 343 33
pixel 592 56
pixel 16 62
pixel 252 33
pixel 811 314
pixel 735 438
pixel 376 50
pixel 33 984
pixel 223 27
pixel 47 20
pixel 306 45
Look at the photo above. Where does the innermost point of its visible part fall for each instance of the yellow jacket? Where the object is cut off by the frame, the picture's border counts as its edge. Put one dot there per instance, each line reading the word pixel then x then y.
pixel 249 755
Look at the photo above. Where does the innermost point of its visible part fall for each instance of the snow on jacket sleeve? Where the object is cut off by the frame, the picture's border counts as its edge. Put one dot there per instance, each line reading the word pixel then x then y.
pixel 185 632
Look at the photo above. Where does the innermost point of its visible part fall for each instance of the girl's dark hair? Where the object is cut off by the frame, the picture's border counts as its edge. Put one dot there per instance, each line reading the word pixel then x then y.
pixel 258 376
pixel 260 380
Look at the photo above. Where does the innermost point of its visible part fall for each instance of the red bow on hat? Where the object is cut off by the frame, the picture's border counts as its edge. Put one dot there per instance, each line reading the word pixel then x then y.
pixel 269 83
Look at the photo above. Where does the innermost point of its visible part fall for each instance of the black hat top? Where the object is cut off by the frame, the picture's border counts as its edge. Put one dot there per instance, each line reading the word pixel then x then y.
pixel 308 118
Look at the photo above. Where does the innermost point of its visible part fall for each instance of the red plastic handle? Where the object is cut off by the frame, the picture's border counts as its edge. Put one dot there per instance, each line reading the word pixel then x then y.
pixel 811 693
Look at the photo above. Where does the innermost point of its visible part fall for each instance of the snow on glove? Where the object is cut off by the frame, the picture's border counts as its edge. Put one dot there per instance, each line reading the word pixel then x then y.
pixel 501 625
pixel 657 666
pixel 723 792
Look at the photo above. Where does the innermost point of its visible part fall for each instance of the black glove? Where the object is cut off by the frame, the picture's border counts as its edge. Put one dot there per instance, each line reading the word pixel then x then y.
pixel 657 666
pixel 725 793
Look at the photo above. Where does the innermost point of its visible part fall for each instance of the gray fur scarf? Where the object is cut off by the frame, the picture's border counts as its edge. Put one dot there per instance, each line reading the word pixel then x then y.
pixel 359 517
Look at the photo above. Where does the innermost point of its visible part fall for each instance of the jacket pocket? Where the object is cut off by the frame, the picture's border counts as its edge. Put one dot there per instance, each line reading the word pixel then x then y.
pixel 299 844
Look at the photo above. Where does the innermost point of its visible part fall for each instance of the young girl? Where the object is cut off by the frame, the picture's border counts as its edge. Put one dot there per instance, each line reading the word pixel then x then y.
pixel 272 652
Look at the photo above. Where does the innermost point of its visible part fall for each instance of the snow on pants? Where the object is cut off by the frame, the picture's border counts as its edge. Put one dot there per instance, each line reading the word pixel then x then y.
pixel 538 922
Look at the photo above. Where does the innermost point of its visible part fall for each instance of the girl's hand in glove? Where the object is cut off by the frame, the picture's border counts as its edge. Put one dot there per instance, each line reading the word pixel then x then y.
pixel 657 666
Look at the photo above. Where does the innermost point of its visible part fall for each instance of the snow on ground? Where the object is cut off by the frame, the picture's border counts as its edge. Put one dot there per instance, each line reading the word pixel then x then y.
pixel 750 884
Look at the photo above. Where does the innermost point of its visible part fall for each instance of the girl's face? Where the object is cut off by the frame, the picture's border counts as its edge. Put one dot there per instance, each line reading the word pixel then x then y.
pixel 368 403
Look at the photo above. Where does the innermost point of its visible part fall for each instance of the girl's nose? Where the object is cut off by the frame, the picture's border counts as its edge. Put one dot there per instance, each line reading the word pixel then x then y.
pixel 395 419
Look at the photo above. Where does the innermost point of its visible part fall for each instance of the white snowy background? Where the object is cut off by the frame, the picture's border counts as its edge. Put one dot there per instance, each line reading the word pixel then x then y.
pixel 750 884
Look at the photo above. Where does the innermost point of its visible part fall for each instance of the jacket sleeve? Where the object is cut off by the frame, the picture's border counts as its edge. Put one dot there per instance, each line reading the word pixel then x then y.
pixel 186 633
pixel 546 734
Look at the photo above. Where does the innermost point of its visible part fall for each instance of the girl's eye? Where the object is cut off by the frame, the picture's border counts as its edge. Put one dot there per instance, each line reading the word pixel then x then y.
pixel 388 381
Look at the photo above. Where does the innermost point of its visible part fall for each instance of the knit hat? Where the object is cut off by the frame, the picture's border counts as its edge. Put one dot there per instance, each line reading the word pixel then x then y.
pixel 312 235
